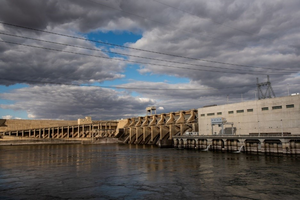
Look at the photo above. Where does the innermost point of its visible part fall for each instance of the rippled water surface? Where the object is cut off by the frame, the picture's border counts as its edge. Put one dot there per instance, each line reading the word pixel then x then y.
pixel 143 172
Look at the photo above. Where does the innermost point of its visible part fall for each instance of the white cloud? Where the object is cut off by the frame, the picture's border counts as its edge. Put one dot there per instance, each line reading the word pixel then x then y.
pixel 261 36
pixel 7 117
pixel 74 102
pixel 31 116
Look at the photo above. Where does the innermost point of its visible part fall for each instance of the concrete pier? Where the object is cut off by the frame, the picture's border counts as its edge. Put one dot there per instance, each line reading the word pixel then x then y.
pixel 242 143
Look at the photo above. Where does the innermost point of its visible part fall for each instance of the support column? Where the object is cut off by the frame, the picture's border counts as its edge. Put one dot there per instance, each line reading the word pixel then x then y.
pixel 285 146
pixel 100 130
pixel 44 133
pixel 208 143
pixel 68 132
pixel 241 143
pixel 261 147
pixel 152 134
pixel 161 132
pixel 130 134
pixel 90 131
pixel 49 133
pixel 34 134
pixel 194 127
pixel 22 133
pixel 57 134
pixel 172 131
pixel 52 133
pixel 29 133
pixel 106 127
pixel 9 133
pixel 185 143
pixel 73 132
pixel 83 130
pixel 17 133
pixel 225 144
pixel 40 134
pixel 78 131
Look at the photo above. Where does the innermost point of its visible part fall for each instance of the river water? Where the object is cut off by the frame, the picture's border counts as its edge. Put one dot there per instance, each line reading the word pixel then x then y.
pixel 143 172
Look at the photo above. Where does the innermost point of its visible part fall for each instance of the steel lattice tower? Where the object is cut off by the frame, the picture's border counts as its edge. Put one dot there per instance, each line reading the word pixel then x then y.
pixel 269 93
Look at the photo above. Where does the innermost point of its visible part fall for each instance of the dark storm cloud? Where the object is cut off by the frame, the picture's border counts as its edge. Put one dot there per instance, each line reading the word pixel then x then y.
pixel 73 102
pixel 23 64
pixel 262 37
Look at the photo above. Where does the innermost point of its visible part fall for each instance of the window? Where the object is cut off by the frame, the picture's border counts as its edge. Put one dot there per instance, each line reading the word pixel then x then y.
pixel 230 112
pixel 202 115
pixel 290 106
pixel 250 110
pixel 210 114
pixel 265 108
pixel 219 113
pixel 276 107
pixel 239 111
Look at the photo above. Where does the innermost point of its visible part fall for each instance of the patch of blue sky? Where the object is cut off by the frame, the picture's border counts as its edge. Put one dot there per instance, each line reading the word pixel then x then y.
pixel 14 113
pixel 4 88
pixel 7 89
pixel 114 37
pixel 132 74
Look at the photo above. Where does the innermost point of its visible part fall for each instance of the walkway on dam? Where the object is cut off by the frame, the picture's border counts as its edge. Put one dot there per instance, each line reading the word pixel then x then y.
pixel 95 129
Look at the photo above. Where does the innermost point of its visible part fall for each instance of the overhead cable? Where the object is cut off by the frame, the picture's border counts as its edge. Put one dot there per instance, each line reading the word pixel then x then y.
pixel 131 61
pixel 123 54
pixel 123 46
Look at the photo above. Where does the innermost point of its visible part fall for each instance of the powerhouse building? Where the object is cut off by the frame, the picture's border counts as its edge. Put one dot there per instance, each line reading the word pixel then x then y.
pixel 266 116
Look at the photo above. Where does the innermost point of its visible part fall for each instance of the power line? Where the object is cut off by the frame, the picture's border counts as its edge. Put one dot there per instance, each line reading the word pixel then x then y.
pixel 122 46
pixel 115 87
pixel 92 49
pixel 130 61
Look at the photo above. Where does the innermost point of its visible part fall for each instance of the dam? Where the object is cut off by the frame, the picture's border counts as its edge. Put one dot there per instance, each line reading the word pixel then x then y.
pixel 261 126
pixel 56 131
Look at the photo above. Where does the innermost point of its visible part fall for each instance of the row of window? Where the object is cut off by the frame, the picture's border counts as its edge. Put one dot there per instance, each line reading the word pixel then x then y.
pixel 250 110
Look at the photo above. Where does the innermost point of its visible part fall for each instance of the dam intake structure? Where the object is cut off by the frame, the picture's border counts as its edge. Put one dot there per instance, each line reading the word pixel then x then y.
pixel 158 129
pixel 267 144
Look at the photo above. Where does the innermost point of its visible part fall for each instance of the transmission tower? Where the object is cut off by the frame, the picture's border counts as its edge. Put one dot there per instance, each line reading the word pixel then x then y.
pixel 269 93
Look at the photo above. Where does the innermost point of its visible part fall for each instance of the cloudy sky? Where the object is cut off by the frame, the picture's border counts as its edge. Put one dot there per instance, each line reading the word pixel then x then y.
pixel 110 59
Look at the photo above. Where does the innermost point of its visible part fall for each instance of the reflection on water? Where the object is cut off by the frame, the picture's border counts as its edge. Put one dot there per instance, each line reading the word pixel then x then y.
pixel 142 172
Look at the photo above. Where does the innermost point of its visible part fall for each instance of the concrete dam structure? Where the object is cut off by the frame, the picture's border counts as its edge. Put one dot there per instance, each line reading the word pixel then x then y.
pixel 267 125
pixel 56 130
pixel 158 129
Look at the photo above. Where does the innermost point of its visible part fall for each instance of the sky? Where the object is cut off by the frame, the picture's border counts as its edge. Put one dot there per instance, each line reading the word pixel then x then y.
pixel 67 59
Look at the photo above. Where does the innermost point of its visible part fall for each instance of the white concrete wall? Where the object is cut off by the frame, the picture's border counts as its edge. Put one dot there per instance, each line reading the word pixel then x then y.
pixel 268 121
pixel 87 120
